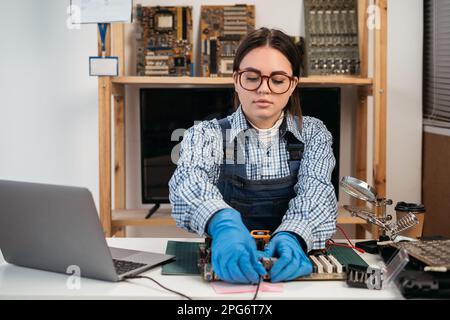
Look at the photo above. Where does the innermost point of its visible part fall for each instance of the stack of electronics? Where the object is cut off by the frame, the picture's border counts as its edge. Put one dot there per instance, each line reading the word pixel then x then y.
pixel 420 268
pixel 427 275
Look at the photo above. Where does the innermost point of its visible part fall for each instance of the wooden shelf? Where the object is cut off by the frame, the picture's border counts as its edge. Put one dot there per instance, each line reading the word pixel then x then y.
pixel 132 80
pixel 345 217
pixel 336 80
pixel 200 81
pixel 136 217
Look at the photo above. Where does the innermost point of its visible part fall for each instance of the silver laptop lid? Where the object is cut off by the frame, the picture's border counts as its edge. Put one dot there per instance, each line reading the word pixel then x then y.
pixel 53 228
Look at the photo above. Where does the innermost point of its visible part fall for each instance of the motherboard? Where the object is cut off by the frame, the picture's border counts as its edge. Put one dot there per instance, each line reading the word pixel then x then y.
pixel 164 41
pixel 221 30
pixel 329 264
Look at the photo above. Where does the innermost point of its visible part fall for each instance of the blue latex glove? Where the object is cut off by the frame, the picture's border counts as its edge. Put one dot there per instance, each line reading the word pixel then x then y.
pixel 234 253
pixel 292 260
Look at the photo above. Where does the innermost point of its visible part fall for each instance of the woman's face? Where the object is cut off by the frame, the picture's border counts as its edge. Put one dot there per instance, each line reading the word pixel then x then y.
pixel 262 106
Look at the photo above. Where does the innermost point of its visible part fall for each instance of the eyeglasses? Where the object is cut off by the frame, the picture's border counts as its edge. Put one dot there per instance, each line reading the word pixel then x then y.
pixel 278 83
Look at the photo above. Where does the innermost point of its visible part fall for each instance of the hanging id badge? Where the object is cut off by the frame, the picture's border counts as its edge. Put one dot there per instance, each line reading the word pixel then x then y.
pixel 103 66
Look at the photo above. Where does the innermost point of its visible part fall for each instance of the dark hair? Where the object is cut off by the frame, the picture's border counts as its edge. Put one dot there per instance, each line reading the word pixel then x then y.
pixel 280 41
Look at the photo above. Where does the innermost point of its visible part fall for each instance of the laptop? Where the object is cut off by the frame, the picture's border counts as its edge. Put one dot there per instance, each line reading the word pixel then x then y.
pixel 56 228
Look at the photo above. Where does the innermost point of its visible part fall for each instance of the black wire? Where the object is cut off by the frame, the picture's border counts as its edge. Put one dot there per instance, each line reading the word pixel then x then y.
pixel 257 288
pixel 159 284
pixel 183 295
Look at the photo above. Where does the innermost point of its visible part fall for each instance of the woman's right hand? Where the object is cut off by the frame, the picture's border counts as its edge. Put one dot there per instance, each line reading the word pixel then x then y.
pixel 234 253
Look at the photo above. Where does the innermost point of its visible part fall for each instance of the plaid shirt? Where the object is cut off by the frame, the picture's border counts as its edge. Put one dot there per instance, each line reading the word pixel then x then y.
pixel 195 198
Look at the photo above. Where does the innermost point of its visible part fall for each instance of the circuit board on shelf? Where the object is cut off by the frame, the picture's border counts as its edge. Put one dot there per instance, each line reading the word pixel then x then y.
pixel 164 41
pixel 221 30
pixel 332 37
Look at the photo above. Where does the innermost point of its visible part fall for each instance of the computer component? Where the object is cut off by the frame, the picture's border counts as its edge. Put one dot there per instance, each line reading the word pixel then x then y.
pixel 328 264
pixel 422 285
pixel 332 263
pixel 262 238
pixel 377 277
pixel 332 45
pixel 56 228
pixel 364 277
pixel 186 254
pixel 427 274
pixel 204 264
pixel 435 254
pixel 164 41
pixel 221 30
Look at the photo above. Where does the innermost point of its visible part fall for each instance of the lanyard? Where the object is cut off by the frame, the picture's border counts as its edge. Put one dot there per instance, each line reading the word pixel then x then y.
pixel 102 27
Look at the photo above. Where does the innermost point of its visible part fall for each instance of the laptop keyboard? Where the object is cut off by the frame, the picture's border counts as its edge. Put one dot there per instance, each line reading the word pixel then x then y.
pixel 123 266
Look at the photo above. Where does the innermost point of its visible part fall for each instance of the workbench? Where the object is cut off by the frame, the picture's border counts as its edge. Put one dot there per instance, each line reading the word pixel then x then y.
pixel 24 283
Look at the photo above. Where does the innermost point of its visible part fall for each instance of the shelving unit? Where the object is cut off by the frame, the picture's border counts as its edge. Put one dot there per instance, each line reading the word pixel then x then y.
pixel 115 221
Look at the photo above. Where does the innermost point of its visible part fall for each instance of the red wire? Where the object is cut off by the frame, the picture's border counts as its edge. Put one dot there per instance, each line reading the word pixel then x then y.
pixel 346 246
pixel 345 235
pixel 331 242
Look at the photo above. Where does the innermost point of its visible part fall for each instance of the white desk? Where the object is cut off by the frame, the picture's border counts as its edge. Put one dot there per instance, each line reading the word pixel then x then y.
pixel 24 283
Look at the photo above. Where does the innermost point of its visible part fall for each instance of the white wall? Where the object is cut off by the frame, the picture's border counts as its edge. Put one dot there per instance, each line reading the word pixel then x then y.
pixel 48 108
pixel 48 114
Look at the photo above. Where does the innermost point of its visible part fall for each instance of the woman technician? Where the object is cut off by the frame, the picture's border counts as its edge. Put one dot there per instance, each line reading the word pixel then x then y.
pixel 265 167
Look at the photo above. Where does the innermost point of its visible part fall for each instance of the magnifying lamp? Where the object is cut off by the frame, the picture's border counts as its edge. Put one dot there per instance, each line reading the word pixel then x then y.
pixel 362 191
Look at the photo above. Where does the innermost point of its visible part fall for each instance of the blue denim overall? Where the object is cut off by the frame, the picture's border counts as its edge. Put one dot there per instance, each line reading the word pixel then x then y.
pixel 262 203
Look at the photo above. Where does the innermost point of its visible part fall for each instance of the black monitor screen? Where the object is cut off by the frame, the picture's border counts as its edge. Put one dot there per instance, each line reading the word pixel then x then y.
pixel 165 112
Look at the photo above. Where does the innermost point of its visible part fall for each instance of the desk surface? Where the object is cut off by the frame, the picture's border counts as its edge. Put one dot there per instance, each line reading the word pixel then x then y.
pixel 23 283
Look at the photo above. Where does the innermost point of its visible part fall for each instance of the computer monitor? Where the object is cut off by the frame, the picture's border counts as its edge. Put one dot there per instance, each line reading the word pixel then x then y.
pixel 164 110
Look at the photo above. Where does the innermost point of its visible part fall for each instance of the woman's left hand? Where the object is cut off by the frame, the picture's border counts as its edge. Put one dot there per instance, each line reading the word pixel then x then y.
pixel 292 260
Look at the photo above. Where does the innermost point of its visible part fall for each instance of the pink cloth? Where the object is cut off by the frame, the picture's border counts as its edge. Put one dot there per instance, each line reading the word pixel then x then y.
pixel 221 287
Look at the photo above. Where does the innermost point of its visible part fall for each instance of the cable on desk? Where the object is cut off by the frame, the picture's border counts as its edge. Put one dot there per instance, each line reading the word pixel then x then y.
pixel 159 284
pixel 257 288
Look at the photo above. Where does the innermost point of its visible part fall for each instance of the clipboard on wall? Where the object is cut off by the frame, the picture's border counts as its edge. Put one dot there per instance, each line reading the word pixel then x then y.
pixel 101 11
